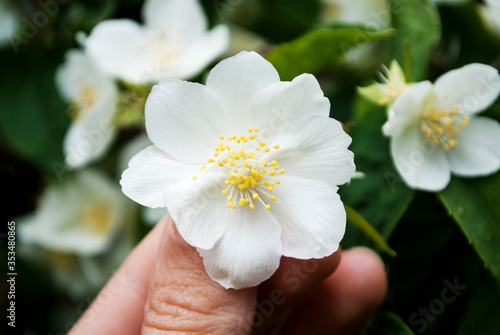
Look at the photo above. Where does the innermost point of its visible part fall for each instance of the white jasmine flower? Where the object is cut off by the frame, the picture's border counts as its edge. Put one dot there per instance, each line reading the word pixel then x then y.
pixel 392 86
pixel 92 97
pixel 80 216
pixel 172 43
pixel 434 129
pixel 218 163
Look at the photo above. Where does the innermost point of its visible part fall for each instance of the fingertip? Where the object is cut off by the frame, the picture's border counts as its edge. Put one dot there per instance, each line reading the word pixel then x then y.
pixel 346 300
pixel 365 271
pixel 296 277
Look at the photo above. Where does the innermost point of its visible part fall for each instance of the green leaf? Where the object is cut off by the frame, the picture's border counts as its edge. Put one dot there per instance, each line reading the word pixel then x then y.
pixel 381 197
pixel 464 34
pixel 418 26
pixel 33 118
pixel 387 323
pixel 481 315
pixel 368 229
pixel 474 204
pixel 313 51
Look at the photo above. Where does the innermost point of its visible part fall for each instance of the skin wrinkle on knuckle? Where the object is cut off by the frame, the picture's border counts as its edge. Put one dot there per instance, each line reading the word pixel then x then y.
pixel 188 307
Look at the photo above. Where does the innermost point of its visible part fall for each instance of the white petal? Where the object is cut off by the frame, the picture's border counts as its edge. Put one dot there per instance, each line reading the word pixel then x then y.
pixel 87 142
pixel 472 87
pixel 248 253
pixel 236 80
pixel 197 206
pixel 115 47
pixel 421 164
pixel 178 122
pixel 311 215
pixel 408 108
pixel 203 50
pixel 185 17
pixel 478 150
pixel 315 149
pixel 282 103
pixel 78 70
pixel 131 149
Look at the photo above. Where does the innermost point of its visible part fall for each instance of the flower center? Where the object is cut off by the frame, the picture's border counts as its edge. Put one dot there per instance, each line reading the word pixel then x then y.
pixel 85 100
pixel 250 179
pixel 96 219
pixel 161 48
pixel 442 124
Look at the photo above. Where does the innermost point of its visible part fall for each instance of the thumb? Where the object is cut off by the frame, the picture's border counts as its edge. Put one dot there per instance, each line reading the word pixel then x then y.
pixel 183 299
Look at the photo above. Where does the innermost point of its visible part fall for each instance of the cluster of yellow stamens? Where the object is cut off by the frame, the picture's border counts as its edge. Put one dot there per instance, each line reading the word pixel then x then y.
pixel 250 178
pixel 392 92
pixel 442 124
pixel 83 101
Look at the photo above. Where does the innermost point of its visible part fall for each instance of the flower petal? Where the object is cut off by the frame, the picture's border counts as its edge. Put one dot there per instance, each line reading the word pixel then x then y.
pixel 92 132
pixel 248 253
pixel 78 70
pixel 421 164
pixel 153 179
pixel 408 108
pixel 315 149
pixel 175 107
pixel 114 45
pixel 203 50
pixel 184 17
pixel 237 80
pixel 88 141
pixel 311 215
pixel 478 152
pixel 472 87
pixel 283 103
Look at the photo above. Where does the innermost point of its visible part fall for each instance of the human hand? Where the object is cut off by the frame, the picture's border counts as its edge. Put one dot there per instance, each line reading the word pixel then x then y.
pixel 163 288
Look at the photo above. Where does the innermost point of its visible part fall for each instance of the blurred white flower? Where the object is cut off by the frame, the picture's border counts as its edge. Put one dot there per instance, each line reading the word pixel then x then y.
pixel 172 43
pixel 9 22
pixel 80 216
pixel 218 163
pixel 92 98
pixel 82 230
pixel 434 129
pixel 392 86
